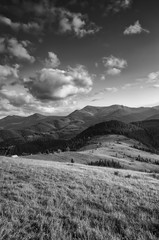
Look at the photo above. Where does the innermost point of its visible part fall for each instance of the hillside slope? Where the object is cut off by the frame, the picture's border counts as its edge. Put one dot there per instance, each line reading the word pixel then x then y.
pixel 113 127
pixel 50 200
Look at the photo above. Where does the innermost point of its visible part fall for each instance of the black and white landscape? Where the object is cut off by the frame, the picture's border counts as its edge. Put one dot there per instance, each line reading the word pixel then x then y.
pixel 79 120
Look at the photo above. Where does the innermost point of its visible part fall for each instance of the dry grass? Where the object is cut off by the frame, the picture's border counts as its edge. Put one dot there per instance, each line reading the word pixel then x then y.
pixel 43 200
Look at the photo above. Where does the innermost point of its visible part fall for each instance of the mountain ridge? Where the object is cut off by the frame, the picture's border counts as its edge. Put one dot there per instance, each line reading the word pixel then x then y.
pixel 15 129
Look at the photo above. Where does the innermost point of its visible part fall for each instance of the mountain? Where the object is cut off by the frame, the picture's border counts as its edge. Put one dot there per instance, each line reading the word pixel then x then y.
pixel 15 129
pixel 114 112
pixel 156 116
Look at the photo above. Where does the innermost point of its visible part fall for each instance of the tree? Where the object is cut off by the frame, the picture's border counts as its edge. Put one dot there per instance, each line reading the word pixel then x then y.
pixel 72 161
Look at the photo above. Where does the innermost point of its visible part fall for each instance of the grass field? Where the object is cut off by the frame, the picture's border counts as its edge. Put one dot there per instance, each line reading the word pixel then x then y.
pixel 44 200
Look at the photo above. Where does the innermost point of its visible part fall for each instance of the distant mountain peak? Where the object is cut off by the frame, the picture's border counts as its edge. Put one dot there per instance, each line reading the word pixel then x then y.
pixel 36 116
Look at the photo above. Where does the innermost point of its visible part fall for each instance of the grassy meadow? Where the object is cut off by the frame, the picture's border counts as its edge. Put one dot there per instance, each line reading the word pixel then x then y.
pixel 45 200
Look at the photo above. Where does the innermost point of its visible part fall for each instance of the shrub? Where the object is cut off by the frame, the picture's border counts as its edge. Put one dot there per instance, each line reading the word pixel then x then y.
pixel 116 173
pixel 106 163
pixel 128 176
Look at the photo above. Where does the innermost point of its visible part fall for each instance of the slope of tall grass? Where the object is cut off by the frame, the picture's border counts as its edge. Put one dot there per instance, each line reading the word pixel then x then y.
pixel 42 200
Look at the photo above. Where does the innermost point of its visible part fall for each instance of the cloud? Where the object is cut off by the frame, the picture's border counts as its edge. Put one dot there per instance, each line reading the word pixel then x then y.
pixel 114 65
pixel 156 85
pixel 118 5
pixel 2 45
pixel 52 18
pixel 149 81
pixel 114 62
pixel 29 27
pixel 56 84
pixel 107 89
pixel 153 77
pixel 16 98
pixel 6 71
pixel 17 49
pixel 52 61
pixel 111 89
pixel 113 71
pixel 135 29
pixel 76 23
pixel 130 85
pixel 8 74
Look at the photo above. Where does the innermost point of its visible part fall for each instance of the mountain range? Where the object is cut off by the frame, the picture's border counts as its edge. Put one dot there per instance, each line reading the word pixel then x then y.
pixel 18 130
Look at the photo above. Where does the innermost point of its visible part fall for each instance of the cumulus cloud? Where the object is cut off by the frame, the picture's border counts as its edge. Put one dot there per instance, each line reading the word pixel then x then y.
pixel 76 23
pixel 114 65
pixel 30 27
pixel 52 61
pixel 6 71
pixel 8 74
pixel 16 98
pixel 17 49
pixel 135 29
pixel 56 84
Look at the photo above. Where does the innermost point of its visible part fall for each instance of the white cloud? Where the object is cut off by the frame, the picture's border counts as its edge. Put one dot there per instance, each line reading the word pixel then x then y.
pixel 114 65
pixel 56 84
pixel 113 71
pixel 114 62
pixel 17 49
pixel 135 29
pixel 76 23
pixel 153 77
pixel 111 89
pixel 156 85
pixel 149 81
pixel 52 61
pixel 27 27
pixel 102 77
pixel 15 97
pixel 16 100
pixel 8 74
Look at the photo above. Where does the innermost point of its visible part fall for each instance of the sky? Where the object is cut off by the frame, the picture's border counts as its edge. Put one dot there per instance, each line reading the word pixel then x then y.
pixel 60 55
